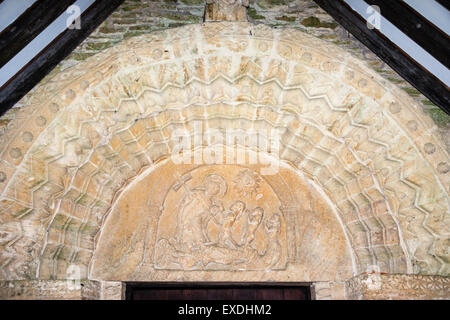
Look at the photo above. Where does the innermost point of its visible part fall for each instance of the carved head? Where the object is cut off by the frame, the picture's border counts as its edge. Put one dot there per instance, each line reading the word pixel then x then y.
pixel 255 216
pixel 216 209
pixel 273 224
pixel 237 207
pixel 215 185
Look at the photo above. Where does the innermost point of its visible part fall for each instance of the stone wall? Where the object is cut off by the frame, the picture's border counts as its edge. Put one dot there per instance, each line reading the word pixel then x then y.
pixel 376 286
pixel 362 287
pixel 328 291
pixel 61 290
pixel 397 287
pixel 49 290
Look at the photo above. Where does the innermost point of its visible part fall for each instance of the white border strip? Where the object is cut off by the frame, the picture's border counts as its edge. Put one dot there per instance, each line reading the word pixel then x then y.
pixel 10 10
pixel 433 12
pixel 404 42
pixel 28 53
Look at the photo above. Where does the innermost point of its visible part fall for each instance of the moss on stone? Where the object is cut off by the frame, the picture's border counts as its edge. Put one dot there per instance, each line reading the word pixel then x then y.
pixel 328 36
pixel 59 222
pixel 183 17
pixel 98 46
pixel 439 117
pixel 272 3
pixel 106 29
pixel 385 71
pixel 286 18
pixel 193 2
pixel 428 103
pixel 131 34
pixel 130 15
pixel 395 80
pixel 175 25
pixel 314 22
pixel 412 92
pixel 141 28
pixel 252 13
pixel 80 56
pixel 131 7
pixel 340 42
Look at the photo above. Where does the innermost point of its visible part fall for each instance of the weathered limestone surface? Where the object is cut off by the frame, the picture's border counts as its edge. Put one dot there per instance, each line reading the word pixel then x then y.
pixel 397 287
pixel 329 290
pixel 49 290
pixel 92 131
pixel 61 290
pixel 137 17
pixel 277 223
pixel 111 290
pixel 362 287
pixel 226 10
pixel 361 181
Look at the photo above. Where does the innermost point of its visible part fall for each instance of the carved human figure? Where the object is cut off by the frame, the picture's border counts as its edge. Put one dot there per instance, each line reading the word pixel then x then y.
pixel 273 252
pixel 216 212
pixel 211 236
pixel 229 218
pixel 194 209
pixel 253 221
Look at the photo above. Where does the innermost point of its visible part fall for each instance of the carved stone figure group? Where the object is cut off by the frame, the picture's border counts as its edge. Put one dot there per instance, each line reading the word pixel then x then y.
pixel 207 236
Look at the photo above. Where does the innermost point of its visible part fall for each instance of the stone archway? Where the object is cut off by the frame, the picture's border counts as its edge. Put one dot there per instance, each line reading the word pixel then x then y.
pixel 92 130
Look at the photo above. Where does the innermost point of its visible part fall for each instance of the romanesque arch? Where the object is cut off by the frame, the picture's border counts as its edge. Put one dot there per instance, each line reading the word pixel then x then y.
pixel 83 138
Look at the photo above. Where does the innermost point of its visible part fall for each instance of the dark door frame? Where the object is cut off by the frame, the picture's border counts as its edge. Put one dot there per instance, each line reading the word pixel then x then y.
pixel 130 286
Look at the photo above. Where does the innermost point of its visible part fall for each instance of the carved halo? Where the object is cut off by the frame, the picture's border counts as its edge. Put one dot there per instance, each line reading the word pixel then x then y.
pixel 220 181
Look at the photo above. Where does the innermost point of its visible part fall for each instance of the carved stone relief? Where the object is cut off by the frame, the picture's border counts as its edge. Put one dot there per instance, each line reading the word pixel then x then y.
pixel 222 222
pixel 81 138
pixel 397 287
pixel 209 224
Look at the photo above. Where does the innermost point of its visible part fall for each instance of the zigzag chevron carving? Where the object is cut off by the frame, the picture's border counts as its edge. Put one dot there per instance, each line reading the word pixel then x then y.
pixel 89 131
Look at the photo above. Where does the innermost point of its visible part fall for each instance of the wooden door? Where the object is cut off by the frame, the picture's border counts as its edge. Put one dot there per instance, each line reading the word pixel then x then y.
pixel 205 291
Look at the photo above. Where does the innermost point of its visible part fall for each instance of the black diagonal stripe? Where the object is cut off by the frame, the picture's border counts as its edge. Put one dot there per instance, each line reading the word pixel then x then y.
pixel 28 26
pixel 430 86
pixel 54 53
pixel 444 3
pixel 416 27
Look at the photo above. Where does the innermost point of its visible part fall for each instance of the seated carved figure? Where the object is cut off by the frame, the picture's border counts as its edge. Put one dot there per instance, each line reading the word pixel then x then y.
pixel 225 237
pixel 215 215
pixel 272 254
pixel 194 208
pixel 253 221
